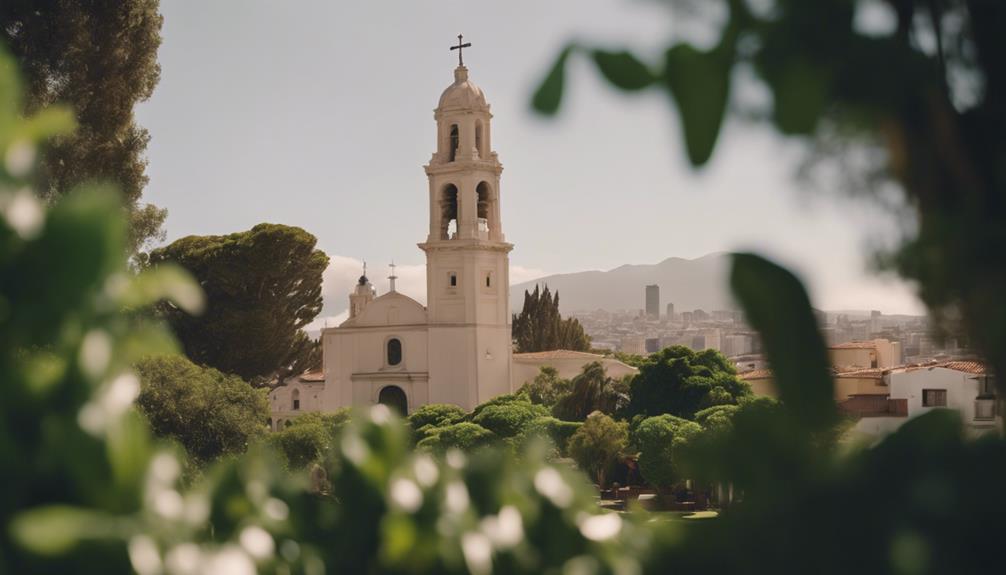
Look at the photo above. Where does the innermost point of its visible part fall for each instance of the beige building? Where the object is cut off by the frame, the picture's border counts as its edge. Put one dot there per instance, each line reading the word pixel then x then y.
pixel 865 354
pixel 848 382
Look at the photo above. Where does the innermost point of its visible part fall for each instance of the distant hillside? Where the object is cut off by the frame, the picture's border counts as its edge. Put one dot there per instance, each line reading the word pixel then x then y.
pixel 688 284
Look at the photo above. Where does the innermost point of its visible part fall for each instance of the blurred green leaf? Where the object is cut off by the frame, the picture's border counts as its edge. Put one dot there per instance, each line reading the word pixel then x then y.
pixel 165 281
pixel 801 92
pixel 129 452
pixel 56 529
pixel 10 95
pixel 776 305
pixel 623 69
pixel 699 82
pixel 549 94
pixel 46 123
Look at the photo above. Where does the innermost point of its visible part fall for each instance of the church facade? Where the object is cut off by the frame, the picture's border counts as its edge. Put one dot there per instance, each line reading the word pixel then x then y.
pixel 457 349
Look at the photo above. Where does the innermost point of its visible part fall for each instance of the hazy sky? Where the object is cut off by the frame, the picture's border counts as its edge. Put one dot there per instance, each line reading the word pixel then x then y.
pixel 319 114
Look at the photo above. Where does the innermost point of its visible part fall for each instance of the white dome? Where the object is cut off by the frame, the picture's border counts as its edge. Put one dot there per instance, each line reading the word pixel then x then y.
pixel 462 94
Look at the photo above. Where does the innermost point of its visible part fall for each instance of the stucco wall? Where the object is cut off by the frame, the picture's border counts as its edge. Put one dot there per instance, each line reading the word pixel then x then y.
pixel 962 390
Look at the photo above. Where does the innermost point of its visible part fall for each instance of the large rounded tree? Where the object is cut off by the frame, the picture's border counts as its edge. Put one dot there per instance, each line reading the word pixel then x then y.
pixel 262 287
pixel 679 381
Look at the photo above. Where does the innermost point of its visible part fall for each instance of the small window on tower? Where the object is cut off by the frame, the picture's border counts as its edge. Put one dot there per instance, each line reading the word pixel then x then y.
pixel 453 279
pixel 489 281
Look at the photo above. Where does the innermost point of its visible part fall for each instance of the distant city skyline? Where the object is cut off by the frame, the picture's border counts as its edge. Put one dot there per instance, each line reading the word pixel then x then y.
pixel 325 128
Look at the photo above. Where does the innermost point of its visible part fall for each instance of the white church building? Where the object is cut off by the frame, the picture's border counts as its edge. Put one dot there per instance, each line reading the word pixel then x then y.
pixel 457 349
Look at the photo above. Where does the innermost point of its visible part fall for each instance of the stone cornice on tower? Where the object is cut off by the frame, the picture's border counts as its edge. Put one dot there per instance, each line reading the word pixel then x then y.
pixel 468 244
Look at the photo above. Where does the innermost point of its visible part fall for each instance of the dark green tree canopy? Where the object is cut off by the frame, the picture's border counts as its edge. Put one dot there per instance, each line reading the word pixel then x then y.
pixel 210 413
pixel 262 286
pixel 508 419
pixel 465 436
pixel 309 437
pixel 661 441
pixel 592 390
pixel 679 381
pixel 540 327
pixel 436 414
pixel 100 58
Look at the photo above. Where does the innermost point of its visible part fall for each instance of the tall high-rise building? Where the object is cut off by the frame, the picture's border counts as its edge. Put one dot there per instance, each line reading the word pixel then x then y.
pixel 670 312
pixel 653 301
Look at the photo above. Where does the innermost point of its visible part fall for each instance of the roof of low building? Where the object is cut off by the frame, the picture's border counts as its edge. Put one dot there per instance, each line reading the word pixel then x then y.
pixel 313 376
pixel 973 367
pixel 558 354
pixel 756 374
pixel 854 345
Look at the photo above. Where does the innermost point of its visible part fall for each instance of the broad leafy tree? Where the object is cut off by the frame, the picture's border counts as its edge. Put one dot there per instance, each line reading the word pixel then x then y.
pixel 466 436
pixel 209 413
pixel 436 414
pixel 99 57
pixel 540 327
pixel 547 387
pixel 597 444
pixel 309 437
pixel 262 287
pixel 508 419
pixel 679 381
pixel 592 390
pixel 661 441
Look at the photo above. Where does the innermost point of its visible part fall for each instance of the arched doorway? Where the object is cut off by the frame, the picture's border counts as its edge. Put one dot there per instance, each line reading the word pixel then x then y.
pixel 394 397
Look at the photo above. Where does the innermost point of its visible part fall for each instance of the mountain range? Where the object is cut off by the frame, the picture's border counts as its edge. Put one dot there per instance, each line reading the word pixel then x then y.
pixel 699 283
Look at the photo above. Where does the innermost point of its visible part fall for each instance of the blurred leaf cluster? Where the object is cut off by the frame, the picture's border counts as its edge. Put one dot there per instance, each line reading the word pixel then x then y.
pixel 909 92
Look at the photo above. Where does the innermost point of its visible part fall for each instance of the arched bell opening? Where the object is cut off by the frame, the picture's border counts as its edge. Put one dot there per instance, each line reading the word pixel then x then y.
pixel 449 212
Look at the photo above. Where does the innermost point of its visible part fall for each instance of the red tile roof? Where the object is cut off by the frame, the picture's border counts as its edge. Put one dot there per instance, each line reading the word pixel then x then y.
pixel 312 376
pixel 876 372
pixel 967 366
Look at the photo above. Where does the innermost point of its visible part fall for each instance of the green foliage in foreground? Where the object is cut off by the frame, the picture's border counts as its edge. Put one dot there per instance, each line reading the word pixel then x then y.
pixel 211 414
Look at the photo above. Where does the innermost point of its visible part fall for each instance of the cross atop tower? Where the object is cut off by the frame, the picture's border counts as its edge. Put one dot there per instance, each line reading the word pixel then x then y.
pixel 459 48
pixel 392 277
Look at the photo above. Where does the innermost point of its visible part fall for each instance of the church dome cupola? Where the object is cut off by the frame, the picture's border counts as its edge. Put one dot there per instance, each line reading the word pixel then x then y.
pixel 463 94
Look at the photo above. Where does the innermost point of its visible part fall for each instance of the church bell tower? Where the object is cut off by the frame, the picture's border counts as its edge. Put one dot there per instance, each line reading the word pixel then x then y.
pixel 467 257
